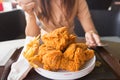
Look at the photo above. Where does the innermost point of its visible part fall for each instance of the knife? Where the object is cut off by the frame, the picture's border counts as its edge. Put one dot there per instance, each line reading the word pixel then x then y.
pixel 12 59
pixel 111 61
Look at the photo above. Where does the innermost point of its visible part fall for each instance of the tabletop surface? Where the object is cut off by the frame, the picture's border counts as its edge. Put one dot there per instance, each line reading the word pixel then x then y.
pixel 101 72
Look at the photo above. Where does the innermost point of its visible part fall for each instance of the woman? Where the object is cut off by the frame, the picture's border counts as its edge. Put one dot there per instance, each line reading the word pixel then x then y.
pixel 53 14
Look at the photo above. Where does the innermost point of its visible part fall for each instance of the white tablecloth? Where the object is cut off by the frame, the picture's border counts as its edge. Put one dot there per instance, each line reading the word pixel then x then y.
pixel 7 48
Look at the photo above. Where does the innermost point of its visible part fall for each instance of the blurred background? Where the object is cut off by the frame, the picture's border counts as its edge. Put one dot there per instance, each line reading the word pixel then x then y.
pixel 93 4
pixel 105 14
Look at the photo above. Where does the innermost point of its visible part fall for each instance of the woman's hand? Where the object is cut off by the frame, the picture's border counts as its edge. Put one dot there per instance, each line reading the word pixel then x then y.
pixel 27 5
pixel 92 39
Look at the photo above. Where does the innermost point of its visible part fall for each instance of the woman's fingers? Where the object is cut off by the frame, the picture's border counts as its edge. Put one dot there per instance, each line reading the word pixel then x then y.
pixel 27 5
pixel 90 41
pixel 97 39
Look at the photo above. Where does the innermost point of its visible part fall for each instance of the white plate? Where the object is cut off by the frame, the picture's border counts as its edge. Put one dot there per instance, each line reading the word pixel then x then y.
pixel 65 75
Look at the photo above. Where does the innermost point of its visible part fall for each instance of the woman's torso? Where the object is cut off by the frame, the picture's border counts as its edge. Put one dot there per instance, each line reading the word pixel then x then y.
pixel 59 18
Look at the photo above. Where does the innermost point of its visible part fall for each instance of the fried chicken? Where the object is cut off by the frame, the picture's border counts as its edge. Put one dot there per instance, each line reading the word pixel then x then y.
pixel 43 49
pixel 75 57
pixel 58 39
pixel 58 51
pixel 89 54
pixel 32 48
pixel 52 60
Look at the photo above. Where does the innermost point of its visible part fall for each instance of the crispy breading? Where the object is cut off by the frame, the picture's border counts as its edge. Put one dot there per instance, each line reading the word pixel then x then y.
pixel 75 56
pixel 32 48
pixel 82 45
pixel 58 39
pixel 52 60
pixel 89 54
pixel 70 51
pixel 31 51
pixel 58 51
pixel 43 49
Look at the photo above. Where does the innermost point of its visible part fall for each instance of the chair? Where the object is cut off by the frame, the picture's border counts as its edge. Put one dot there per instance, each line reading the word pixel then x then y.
pixel 12 25
pixel 106 22
pixel 99 4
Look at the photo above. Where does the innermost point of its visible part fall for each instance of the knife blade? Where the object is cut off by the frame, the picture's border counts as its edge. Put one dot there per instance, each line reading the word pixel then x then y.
pixel 6 57
pixel 111 61
pixel 7 66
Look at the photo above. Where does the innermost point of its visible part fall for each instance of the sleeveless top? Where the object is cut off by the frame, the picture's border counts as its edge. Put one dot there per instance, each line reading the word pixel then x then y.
pixel 80 11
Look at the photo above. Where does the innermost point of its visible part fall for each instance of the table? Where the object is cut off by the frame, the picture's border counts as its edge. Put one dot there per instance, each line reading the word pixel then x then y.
pixel 102 72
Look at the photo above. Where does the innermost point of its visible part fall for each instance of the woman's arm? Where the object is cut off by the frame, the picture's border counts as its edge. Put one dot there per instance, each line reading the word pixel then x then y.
pixel 91 35
pixel 85 17
pixel 32 28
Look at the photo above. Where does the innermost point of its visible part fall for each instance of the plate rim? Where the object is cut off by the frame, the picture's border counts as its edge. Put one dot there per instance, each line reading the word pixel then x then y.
pixel 90 68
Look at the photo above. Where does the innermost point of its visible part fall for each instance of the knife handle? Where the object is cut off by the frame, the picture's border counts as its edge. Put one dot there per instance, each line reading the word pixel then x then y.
pixel 12 59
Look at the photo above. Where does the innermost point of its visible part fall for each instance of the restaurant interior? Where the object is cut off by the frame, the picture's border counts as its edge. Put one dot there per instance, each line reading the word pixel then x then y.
pixel 106 18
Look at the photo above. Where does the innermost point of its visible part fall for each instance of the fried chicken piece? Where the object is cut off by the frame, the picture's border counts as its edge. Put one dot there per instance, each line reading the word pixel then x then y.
pixel 42 51
pixel 75 57
pixel 68 58
pixel 68 65
pixel 68 61
pixel 89 54
pixel 79 57
pixel 52 60
pixel 70 51
pixel 72 39
pixel 82 45
pixel 58 39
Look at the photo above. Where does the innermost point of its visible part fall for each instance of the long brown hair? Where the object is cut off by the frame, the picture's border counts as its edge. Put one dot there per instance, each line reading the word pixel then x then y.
pixel 45 8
